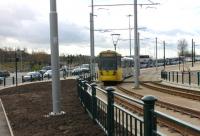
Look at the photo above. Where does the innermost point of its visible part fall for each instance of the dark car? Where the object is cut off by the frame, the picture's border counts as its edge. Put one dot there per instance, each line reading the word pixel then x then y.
pixel 1 80
pixel 4 74
pixel 31 76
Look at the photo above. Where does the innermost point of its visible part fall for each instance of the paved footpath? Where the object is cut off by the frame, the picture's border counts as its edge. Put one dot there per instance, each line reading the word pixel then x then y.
pixel 4 130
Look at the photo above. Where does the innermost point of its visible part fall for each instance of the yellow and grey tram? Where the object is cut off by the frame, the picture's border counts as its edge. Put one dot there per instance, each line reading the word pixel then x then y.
pixel 112 67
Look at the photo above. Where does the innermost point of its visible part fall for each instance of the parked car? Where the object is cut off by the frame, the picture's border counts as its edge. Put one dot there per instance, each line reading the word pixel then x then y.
pixel 85 68
pixel 31 76
pixel 48 74
pixel 76 71
pixel 4 73
pixel 1 80
pixel 44 69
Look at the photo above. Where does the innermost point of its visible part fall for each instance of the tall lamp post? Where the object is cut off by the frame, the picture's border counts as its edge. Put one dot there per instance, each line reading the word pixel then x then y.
pixel 192 53
pixel 164 53
pixel 136 54
pixel 115 39
pixel 16 60
pixel 156 54
pixel 55 59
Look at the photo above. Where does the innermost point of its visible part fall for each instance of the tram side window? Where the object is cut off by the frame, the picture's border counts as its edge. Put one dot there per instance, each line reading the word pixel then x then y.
pixel 119 61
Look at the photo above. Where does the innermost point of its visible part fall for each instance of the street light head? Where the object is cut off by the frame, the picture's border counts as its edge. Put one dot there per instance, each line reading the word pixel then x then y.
pixel 115 38
pixel 115 34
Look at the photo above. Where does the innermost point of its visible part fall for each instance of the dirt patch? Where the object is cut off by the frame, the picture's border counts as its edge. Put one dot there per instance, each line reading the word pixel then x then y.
pixel 27 105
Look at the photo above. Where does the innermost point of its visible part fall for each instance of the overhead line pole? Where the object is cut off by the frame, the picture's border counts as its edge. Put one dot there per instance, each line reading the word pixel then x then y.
pixel 130 33
pixel 156 54
pixel 164 54
pixel 136 57
pixel 138 53
pixel 192 53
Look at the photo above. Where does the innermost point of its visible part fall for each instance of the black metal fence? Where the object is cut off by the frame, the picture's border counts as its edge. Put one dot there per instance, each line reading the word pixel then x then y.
pixel 115 119
pixel 186 77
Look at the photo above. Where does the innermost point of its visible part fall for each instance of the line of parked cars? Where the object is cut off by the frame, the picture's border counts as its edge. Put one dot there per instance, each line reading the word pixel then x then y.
pixel 37 75
pixel 3 74
pixel 46 72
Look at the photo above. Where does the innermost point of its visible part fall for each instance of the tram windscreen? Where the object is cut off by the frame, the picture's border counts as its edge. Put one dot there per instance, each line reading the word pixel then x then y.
pixel 108 63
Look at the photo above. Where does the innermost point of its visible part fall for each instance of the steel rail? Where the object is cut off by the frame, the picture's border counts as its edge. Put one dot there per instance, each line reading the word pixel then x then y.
pixel 184 94
pixel 178 88
pixel 160 119
pixel 184 110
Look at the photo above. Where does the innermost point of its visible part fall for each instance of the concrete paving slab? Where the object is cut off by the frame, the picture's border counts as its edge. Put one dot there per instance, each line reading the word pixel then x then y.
pixel 4 129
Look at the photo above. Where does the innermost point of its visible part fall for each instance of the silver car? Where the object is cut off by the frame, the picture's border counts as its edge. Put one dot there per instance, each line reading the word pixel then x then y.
pixel 48 74
pixel 31 76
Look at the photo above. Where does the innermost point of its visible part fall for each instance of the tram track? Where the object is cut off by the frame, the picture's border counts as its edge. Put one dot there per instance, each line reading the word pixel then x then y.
pixel 189 94
pixel 191 112
pixel 161 121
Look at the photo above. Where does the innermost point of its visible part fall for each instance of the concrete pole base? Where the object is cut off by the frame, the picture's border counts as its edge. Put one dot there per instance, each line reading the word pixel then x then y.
pixel 54 114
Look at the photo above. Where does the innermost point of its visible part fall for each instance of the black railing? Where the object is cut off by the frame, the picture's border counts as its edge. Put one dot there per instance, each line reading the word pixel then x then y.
pixel 105 109
pixel 186 77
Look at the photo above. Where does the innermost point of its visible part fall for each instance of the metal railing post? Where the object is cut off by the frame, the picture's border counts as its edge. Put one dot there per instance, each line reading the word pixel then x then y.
pixel 78 87
pixel 177 77
pixel 4 81
pixel 182 77
pixel 83 96
pixel 31 78
pixel 13 79
pixel 94 102
pixel 173 76
pixel 149 119
pixel 22 79
pixel 42 76
pixel 198 74
pixel 110 111
pixel 161 74
pixel 189 78
pixel 169 76
pixel 81 90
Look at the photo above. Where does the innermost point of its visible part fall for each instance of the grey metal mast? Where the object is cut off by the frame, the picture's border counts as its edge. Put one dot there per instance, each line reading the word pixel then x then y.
pixel 138 54
pixel 156 54
pixel 54 58
pixel 136 57
pixel 92 57
pixel 129 32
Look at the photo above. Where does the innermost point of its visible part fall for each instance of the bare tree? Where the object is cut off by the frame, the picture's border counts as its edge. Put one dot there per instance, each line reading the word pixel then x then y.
pixel 182 49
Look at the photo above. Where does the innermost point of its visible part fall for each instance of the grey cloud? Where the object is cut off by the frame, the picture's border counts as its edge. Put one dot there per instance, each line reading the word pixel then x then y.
pixel 21 23
pixel 72 33
pixel 172 32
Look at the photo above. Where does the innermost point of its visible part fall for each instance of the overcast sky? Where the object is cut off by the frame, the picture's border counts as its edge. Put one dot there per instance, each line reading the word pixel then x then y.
pixel 25 24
